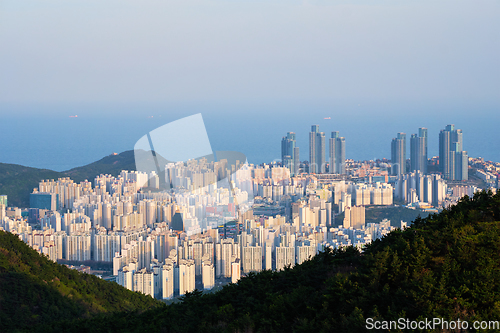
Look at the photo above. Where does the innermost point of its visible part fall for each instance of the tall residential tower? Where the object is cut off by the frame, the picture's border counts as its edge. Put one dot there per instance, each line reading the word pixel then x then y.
pixel 418 151
pixel 312 149
pixel 398 154
pixel 290 153
pixel 317 150
pixel 321 152
pixel 337 153
pixel 453 160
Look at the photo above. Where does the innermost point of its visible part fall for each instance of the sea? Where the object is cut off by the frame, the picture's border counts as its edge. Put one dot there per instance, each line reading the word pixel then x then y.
pixel 64 140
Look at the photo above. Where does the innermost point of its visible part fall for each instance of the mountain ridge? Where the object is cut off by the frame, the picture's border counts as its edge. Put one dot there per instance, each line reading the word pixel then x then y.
pixel 18 181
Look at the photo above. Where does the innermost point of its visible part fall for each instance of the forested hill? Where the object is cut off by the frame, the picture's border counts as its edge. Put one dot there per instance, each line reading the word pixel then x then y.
pixel 112 164
pixel 444 266
pixel 18 181
pixel 35 291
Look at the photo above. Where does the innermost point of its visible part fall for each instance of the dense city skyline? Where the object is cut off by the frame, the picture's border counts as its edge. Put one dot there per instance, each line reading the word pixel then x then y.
pixel 82 140
pixel 209 219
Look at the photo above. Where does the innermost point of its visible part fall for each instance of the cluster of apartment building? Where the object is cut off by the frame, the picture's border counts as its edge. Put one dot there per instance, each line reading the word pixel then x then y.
pixel 202 230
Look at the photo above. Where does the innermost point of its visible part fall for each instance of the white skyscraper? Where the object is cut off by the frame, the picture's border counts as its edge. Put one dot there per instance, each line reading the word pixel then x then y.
pixel 167 280
pixel 285 256
pixel 208 275
pixel 235 270
pixel 186 273
pixel 251 259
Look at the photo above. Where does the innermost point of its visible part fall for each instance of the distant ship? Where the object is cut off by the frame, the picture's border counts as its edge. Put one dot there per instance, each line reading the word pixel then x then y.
pixel 75 116
pixel 327 118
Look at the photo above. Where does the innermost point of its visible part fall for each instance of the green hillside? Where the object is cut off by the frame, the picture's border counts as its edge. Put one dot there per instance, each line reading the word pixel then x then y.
pixel 18 181
pixel 112 164
pixel 445 266
pixel 36 291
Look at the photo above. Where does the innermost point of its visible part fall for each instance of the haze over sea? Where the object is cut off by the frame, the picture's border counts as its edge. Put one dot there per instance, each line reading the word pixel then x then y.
pixel 56 141
pixel 255 70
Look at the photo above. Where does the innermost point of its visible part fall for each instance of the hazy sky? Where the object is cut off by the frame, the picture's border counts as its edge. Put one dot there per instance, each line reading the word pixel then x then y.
pixel 375 67
pixel 240 52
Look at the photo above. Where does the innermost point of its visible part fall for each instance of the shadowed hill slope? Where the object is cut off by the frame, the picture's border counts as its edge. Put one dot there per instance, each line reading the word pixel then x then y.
pixel 36 291
pixel 18 181
pixel 112 164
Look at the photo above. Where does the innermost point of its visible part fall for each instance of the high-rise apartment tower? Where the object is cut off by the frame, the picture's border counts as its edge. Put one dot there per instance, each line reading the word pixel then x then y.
pixel 288 152
pixel 337 153
pixel 398 154
pixel 312 149
pixel 453 160
pixel 418 151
